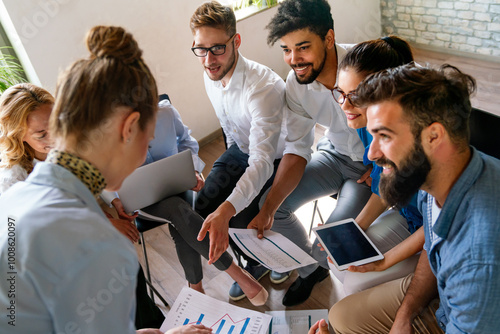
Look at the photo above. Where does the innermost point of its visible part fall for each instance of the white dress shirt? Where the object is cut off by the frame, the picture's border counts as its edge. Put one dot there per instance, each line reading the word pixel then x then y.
pixel 69 269
pixel 313 103
pixel 250 110
pixel 9 176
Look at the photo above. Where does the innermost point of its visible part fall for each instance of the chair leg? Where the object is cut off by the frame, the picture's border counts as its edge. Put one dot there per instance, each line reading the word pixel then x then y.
pixel 320 216
pixel 148 274
pixel 152 288
pixel 312 219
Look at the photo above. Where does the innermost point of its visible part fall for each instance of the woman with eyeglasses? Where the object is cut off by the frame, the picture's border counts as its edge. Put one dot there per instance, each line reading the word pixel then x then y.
pixel 396 232
pixel 67 269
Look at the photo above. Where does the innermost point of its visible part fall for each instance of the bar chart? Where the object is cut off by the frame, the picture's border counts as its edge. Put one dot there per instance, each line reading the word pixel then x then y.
pixel 192 307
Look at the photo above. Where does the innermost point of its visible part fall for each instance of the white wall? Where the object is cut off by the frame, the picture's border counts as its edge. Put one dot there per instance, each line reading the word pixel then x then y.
pixel 49 35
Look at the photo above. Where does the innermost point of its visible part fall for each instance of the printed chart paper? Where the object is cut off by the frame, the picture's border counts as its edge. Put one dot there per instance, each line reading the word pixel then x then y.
pixel 274 251
pixel 192 307
pixel 295 322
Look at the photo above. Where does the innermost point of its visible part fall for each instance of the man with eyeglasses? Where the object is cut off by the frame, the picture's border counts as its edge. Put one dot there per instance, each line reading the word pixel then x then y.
pixel 305 31
pixel 249 100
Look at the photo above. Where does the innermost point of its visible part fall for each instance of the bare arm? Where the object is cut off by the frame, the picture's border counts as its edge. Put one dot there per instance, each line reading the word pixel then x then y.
pixel 287 178
pixel 372 209
pixel 422 290
pixel 408 247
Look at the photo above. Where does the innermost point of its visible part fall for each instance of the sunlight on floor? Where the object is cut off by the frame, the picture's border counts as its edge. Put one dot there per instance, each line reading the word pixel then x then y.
pixel 325 207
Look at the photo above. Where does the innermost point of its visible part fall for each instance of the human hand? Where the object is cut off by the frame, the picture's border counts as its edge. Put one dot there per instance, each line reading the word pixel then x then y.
pixel 366 177
pixel 125 227
pixel 321 248
pixel 200 182
pixel 217 223
pixel 149 331
pixel 379 265
pixel 117 203
pixel 261 222
pixel 190 329
pixel 320 327
pixel 401 325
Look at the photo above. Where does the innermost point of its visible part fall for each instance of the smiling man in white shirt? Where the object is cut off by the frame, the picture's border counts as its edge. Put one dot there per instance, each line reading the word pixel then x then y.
pixel 305 31
pixel 249 100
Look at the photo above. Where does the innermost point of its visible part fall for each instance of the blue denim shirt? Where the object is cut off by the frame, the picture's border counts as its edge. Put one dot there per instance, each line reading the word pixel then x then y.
pixel 464 248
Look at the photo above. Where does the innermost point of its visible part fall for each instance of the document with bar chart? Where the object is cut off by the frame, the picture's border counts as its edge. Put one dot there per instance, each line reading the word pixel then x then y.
pixel 192 307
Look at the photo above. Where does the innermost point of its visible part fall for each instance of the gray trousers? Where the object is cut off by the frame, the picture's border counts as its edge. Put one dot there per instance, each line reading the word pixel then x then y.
pixel 324 175
pixel 184 228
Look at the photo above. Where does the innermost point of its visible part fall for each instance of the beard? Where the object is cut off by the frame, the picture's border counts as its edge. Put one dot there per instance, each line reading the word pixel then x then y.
pixel 398 187
pixel 304 80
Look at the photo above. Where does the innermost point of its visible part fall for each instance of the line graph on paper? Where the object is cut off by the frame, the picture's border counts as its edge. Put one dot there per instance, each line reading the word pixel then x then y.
pixel 192 307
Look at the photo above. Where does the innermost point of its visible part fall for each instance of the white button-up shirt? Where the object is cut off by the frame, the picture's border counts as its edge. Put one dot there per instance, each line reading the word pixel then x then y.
pixel 313 103
pixel 250 111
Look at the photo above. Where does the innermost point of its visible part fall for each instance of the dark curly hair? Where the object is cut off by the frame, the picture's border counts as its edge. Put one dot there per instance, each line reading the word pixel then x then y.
pixel 294 15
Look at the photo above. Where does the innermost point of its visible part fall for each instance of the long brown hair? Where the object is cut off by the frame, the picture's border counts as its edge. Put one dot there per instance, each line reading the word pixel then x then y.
pixel 16 104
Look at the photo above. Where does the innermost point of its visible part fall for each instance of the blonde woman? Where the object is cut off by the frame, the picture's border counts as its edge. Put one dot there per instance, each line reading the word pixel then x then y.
pixel 24 135
pixel 71 270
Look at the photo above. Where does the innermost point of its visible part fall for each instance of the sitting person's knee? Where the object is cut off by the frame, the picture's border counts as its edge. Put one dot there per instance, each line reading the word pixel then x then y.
pixel 343 315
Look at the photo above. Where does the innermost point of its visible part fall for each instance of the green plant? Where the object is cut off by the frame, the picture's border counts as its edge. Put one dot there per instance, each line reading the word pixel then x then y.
pixel 10 70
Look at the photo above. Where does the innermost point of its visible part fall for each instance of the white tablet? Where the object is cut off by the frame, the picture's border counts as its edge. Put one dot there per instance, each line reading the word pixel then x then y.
pixel 347 244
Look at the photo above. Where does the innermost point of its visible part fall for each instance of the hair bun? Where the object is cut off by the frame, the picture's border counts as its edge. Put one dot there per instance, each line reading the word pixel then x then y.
pixel 113 42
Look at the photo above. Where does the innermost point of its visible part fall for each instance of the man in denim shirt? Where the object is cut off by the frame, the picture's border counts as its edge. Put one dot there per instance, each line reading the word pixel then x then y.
pixel 419 119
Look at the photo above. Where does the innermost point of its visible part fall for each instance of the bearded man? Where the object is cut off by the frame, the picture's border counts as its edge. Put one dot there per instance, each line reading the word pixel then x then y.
pixel 419 119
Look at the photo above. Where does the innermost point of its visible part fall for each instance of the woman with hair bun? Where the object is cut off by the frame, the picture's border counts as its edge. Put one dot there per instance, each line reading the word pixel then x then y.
pixel 69 269
pixel 24 131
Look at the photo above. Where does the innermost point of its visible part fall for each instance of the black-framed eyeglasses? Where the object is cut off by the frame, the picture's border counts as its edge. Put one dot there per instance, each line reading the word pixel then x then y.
pixel 216 50
pixel 343 96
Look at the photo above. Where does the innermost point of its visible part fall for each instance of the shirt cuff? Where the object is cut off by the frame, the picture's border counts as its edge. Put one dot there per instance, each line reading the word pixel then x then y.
pixel 109 196
pixel 238 201
pixel 199 164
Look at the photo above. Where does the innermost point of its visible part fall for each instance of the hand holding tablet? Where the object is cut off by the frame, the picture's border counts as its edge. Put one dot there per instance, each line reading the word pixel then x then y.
pixel 346 244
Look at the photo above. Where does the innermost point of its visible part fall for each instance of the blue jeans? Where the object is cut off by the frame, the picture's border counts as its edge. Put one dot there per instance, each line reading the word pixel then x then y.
pixel 324 176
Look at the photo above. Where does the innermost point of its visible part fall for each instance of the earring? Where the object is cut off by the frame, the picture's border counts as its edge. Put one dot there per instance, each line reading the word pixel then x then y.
pixel 128 140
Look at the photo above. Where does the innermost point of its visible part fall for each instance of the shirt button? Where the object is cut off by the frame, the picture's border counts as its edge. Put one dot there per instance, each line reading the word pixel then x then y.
pixel 235 130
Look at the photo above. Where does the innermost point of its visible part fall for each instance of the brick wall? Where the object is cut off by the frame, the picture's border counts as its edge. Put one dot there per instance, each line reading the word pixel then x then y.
pixel 465 25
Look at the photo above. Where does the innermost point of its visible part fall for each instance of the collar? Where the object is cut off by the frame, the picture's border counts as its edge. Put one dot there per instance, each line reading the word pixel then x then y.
pixel 457 193
pixel 87 173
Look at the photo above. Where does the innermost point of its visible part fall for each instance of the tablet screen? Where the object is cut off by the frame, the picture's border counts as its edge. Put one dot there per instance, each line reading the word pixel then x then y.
pixel 346 243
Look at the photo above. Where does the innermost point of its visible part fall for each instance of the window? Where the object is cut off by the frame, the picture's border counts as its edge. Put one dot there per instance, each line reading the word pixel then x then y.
pixel 11 71
pixel 246 8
